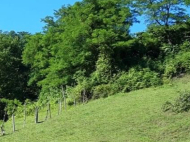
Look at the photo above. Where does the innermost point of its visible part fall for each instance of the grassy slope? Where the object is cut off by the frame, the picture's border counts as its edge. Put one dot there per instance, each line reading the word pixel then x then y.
pixel 130 117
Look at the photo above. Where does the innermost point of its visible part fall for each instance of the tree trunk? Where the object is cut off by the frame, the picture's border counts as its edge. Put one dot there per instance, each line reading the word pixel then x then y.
pixel 36 115
pixel 64 97
pixel 58 108
pixel 13 121
pixel 46 115
pixel 48 111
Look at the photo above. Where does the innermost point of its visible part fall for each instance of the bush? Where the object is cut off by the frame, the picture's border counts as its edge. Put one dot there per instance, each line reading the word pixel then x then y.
pixel 181 104
pixel 127 81
pixel 104 90
pixel 137 79
pixel 180 63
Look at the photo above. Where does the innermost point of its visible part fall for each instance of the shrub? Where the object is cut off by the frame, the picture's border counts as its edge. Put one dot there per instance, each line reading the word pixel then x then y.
pixel 104 90
pixel 137 79
pixel 180 63
pixel 181 104
pixel 101 91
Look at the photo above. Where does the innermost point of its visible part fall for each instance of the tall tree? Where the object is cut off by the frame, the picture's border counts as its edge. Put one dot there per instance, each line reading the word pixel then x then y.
pixel 81 41
pixel 162 12
pixel 13 74
pixel 187 2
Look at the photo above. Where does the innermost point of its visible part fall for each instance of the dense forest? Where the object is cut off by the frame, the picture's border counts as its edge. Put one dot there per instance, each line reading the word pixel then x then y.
pixel 86 51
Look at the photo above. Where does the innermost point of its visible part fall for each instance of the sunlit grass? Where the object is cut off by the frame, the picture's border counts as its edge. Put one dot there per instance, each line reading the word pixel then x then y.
pixel 125 117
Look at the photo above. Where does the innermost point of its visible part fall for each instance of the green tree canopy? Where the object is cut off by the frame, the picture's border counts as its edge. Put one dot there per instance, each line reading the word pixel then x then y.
pixel 163 12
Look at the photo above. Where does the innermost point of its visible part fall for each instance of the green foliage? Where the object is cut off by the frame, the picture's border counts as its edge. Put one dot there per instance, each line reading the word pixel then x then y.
pixel 13 74
pixel 36 55
pixel 134 79
pixel 181 104
pixel 137 79
pixel 74 93
pixel 103 69
pixel 103 91
pixel 11 105
pixel 187 2
pixel 87 44
pixel 162 12
pixel 91 30
pixel 177 65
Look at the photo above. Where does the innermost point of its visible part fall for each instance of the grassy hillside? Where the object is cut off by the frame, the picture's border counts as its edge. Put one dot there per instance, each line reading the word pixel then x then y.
pixel 130 117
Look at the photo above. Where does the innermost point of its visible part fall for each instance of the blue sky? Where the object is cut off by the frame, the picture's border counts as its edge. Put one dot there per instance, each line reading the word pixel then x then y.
pixel 26 15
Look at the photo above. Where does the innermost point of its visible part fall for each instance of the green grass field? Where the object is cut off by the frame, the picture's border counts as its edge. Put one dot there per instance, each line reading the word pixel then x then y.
pixel 129 117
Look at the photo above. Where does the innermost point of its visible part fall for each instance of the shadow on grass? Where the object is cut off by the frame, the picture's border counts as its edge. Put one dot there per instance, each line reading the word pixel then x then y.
pixel 6 134
pixel 40 122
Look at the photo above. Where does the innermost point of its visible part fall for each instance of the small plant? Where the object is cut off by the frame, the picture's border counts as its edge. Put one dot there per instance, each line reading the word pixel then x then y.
pixel 181 104
pixel 167 106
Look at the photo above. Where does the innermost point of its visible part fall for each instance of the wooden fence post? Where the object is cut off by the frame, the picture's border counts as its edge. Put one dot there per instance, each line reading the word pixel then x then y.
pixel 24 114
pixel 36 115
pixel 49 109
pixel 13 121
